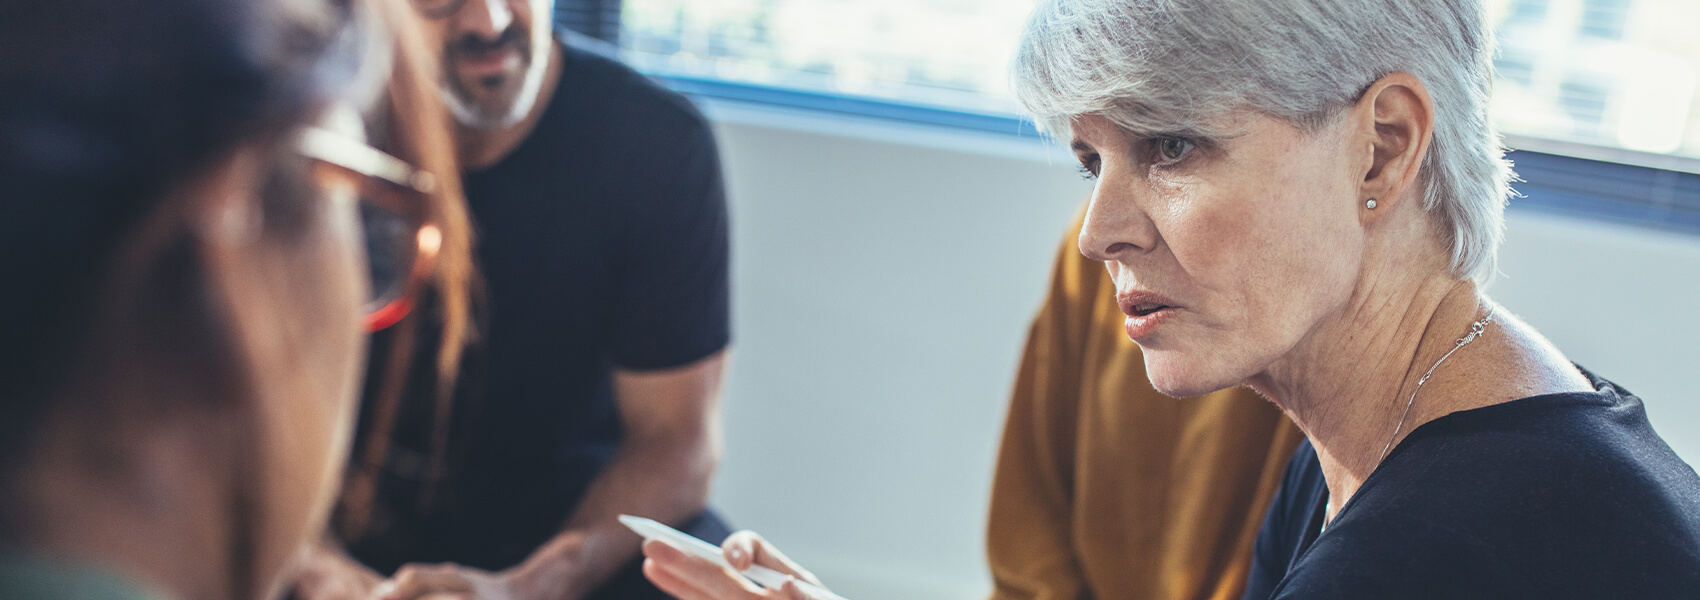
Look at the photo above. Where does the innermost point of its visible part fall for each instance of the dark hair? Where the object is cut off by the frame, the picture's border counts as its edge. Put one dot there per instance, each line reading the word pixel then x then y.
pixel 107 105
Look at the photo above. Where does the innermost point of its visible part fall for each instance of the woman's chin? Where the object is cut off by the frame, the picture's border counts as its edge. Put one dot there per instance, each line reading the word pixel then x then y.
pixel 1175 376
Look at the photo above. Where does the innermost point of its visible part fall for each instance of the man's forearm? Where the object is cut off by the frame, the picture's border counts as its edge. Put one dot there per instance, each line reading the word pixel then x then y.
pixel 665 479
pixel 671 424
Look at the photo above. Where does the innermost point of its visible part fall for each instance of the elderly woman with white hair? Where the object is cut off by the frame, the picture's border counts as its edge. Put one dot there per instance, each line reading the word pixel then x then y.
pixel 1306 197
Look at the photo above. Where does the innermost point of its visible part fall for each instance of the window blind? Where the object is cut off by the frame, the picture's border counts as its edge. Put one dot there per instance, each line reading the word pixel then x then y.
pixel 599 19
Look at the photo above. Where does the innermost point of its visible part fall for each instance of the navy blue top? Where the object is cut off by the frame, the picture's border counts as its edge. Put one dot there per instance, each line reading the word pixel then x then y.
pixel 602 241
pixel 1555 496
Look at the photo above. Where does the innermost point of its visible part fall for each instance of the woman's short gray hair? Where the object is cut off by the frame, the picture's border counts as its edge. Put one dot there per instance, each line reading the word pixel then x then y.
pixel 1178 66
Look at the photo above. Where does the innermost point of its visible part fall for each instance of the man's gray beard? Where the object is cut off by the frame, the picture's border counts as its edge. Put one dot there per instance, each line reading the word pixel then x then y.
pixel 524 101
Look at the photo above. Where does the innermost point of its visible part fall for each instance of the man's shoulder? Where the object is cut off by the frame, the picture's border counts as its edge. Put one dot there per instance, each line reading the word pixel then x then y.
pixel 619 97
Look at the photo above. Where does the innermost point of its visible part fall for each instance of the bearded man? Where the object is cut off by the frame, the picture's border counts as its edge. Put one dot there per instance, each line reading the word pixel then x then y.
pixel 593 390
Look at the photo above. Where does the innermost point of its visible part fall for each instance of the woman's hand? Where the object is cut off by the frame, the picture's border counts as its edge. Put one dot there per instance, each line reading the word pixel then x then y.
pixel 688 577
pixel 326 573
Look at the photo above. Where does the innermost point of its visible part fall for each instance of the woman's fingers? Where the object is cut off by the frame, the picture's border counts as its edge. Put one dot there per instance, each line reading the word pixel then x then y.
pixel 792 591
pixel 688 577
pixel 739 549
pixel 673 585
pixel 748 547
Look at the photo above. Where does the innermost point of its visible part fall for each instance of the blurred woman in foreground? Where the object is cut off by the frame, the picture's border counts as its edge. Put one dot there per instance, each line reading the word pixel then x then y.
pixel 195 237
pixel 1305 196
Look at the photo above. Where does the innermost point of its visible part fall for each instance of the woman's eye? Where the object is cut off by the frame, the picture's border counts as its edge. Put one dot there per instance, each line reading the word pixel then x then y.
pixel 1088 166
pixel 1172 149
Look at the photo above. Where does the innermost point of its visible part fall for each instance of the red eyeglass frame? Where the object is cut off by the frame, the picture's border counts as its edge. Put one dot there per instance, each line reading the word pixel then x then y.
pixel 345 153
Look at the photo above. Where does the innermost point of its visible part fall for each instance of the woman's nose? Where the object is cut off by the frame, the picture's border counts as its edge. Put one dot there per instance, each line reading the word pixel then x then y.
pixel 1116 228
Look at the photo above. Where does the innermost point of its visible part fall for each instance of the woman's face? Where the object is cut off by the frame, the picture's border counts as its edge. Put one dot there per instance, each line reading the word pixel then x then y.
pixel 303 323
pixel 1226 253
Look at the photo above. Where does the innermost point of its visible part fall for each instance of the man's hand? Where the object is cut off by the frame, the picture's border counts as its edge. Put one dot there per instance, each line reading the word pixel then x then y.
pixel 671 446
pixel 325 573
pixel 448 582
pixel 552 573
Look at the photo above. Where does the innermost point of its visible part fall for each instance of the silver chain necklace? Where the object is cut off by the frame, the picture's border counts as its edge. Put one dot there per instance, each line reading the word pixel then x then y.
pixel 1475 331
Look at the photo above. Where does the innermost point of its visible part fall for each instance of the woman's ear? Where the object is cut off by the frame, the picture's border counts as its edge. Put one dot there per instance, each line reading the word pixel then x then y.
pixel 226 200
pixel 1393 123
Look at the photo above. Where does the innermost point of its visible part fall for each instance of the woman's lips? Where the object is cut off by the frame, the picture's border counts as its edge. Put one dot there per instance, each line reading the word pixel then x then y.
pixel 1145 312
pixel 1140 326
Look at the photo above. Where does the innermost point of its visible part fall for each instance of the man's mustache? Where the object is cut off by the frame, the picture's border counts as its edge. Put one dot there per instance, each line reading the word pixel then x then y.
pixel 474 45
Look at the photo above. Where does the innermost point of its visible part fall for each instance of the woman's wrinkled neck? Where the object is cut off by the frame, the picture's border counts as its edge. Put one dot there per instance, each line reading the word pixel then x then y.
pixel 1347 383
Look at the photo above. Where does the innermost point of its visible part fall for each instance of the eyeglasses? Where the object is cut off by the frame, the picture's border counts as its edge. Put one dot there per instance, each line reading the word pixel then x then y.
pixel 437 9
pixel 401 242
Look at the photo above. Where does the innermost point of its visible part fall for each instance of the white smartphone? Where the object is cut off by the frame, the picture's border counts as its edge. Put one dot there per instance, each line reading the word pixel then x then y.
pixel 651 529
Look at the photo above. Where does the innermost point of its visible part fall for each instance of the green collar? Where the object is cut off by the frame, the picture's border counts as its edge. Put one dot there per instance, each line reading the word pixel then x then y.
pixel 37 578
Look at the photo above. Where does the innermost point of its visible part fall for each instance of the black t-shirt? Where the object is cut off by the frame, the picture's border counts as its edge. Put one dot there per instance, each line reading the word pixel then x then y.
pixel 1555 496
pixel 602 242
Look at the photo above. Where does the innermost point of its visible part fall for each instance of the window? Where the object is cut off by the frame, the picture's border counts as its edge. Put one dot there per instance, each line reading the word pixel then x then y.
pixel 1603 19
pixel 599 19
pixel 1604 73
pixel 944 53
pixel 1597 96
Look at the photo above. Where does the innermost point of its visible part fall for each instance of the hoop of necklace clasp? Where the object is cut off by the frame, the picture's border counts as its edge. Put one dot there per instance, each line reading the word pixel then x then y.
pixel 1476 330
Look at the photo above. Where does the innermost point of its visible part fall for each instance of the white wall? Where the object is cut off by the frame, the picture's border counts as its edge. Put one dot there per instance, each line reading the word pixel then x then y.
pixel 1622 301
pixel 884 277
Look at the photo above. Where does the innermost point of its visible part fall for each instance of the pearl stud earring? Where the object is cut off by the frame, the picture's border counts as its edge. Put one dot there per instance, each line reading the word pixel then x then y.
pixel 1371 204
